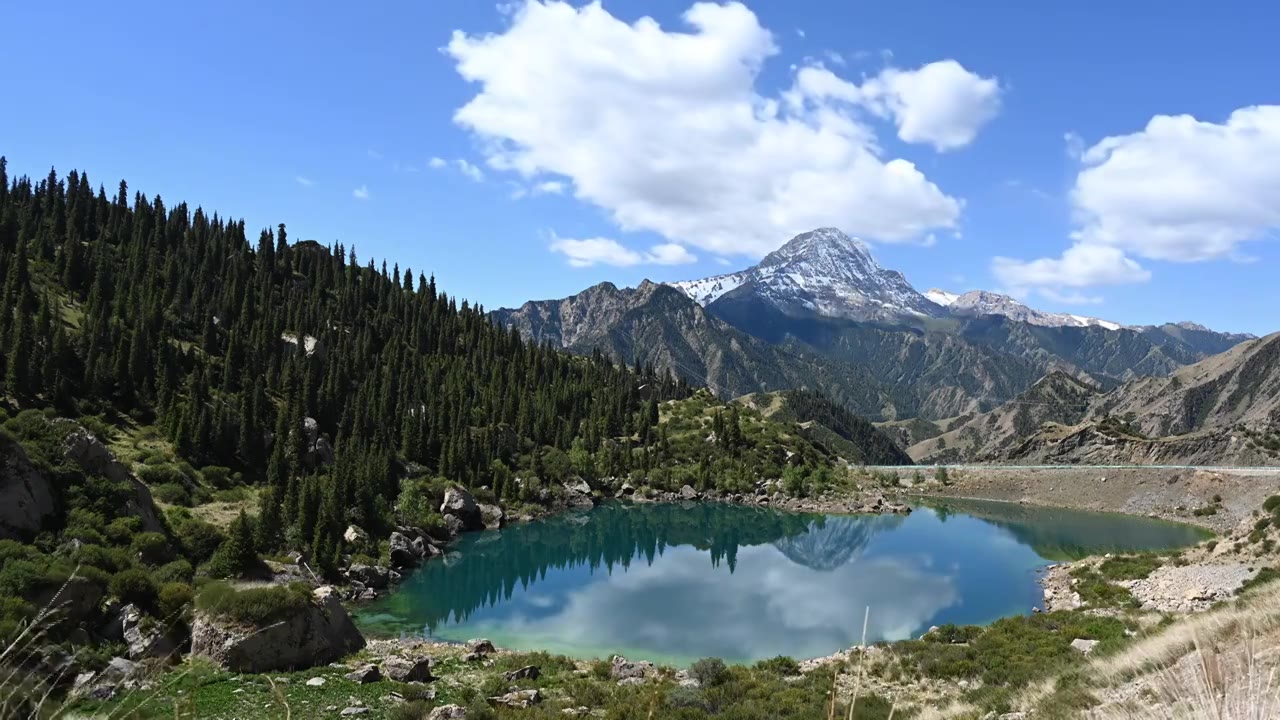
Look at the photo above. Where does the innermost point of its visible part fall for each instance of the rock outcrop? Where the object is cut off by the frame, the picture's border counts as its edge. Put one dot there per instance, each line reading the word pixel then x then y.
pixel 319 451
pixel 493 517
pixel 409 547
pixel 82 448
pixel 26 498
pixel 408 670
pixel 459 504
pixel 319 635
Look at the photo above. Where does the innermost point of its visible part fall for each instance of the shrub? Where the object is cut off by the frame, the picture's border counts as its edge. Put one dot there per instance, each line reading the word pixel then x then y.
pixel 134 586
pixel 172 493
pixel 217 476
pixel 687 697
pixel 121 530
pixel 1271 503
pixel 257 605
pixel 161 475
pixel 197 538
pixel 112 560
pixel 173 599
pixel 780 665
pixel 1128 567
pixel 709 671
pixel 177 571
pixel 151 548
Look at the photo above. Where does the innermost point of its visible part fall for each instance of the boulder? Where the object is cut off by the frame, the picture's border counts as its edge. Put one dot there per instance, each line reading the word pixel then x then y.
pixel 364 674
pixel 480 646
pixel 454 525
pixel 403 554
pixel 408 670
pixel 316 682
pixel 528 672
pixel 119 674
pixel 144 637
pixel 318 450
pixel 627 490
pixel 518 699
pixel 493 517
pixel 355 535
pixel 320 634
pixel 448 712
pixel 622 669
pixel 371 576
pixel 1084 646
pixel 460 504
pixel 354 710
pixel 26 498
pixel 688 493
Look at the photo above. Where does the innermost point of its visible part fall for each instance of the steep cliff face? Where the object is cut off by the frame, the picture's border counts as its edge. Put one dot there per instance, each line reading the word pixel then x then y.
pixel 27 500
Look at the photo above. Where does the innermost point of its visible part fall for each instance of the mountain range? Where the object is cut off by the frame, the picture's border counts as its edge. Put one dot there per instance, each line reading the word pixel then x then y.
pixel 820 313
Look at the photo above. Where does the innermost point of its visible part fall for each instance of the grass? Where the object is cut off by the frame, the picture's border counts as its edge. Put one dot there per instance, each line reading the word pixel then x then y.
pixel 255 605
pixel 1129 567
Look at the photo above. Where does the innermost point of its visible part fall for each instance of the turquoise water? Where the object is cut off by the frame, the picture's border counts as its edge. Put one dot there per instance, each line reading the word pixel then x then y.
pixel 673 583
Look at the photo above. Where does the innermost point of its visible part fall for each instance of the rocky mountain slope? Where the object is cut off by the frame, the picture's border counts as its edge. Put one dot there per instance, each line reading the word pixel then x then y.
pixel 1222 410
pixel 981 302
pixel 658 325
pixel 821 313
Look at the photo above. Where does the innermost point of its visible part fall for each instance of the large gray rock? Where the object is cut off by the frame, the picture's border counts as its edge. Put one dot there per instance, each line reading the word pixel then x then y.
pixel 144 637
pixel 119 674
pixel 448 712
pixel 578 493
pixel 460 504
pixel 81 447
pixel 622 669
pixel 408 670
pixel 518 699
pixel 26 499
pixel 402 551
pixel 319 451
pixel 373 576
pixel 319 635
pixel 493 517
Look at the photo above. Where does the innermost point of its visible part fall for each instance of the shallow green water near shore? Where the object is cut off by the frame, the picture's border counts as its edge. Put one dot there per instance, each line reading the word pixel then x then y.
pixel 674 583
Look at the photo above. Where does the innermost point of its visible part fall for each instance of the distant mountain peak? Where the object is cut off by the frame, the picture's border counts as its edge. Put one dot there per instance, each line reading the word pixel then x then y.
pixel 985 302
pixel 824 271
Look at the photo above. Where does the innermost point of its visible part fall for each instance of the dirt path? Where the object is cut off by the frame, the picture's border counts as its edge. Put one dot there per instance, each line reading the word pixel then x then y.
pixel 1223 497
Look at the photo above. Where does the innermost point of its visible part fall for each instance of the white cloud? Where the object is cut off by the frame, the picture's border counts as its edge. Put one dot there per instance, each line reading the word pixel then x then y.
pixel 1070 297
pixel 361 193
pixel 666 131
pixel 1074 144
pixel 1183 189
pixel 436 163
pixel 470 170
pixel 550 187
pixel 1180 190
pixel 304 181
pixel 374 154
pixel 604 251
pixel 1080 266
pixel 941 104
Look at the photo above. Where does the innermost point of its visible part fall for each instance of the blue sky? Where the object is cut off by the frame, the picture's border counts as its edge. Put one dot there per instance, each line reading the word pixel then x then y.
pixel 947 134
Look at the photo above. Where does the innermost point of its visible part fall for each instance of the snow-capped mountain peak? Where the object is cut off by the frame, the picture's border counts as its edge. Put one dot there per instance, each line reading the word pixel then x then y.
pixel 824 271
pixel 982 302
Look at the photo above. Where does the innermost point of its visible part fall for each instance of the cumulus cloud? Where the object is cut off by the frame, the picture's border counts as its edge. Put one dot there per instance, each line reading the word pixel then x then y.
pixel 1180 190
pixel 361 193
pixel 304 181
pixel 1080 266
pixel 436 163
pixel 1183 189
pixel 468 169
pixel 666 131
pixel 605 251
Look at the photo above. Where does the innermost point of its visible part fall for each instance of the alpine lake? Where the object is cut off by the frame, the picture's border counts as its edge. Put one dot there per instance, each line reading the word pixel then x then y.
pixel 672 583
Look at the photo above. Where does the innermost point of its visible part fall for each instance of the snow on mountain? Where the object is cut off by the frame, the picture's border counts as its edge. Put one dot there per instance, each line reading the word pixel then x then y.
pixel 941 297
pixel 981 302
pixel 824 271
